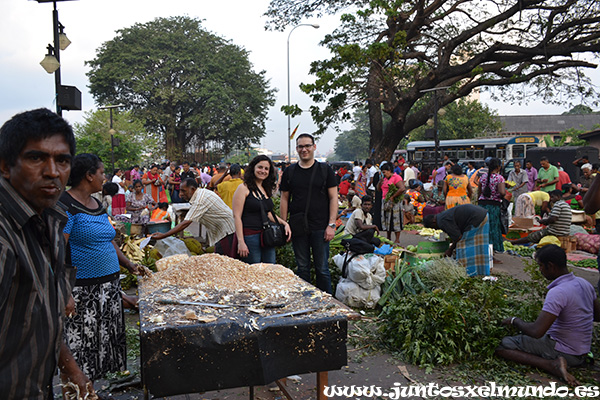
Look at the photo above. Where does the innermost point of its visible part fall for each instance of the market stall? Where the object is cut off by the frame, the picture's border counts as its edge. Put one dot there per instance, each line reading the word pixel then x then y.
pixel 211 322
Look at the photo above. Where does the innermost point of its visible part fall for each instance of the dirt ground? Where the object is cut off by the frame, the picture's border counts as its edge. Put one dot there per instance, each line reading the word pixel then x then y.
pixel 365 367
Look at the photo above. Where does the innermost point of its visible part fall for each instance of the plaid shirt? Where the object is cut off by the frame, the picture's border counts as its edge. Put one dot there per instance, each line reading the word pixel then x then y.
pixel 34 288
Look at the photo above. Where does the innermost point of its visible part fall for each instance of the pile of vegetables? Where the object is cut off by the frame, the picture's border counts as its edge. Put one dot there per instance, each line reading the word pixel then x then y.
pixel 587 263
pixel 412 227
pixel 448 323
pixel 522 251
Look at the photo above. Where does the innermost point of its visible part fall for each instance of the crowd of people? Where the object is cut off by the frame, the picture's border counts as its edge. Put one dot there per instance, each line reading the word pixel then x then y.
pixel 60 300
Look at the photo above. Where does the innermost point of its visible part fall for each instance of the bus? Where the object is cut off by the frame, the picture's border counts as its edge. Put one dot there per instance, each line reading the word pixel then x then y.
pixel 476 149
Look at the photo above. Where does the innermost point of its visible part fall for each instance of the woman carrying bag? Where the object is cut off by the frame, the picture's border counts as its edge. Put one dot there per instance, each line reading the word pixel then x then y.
pixel 251 205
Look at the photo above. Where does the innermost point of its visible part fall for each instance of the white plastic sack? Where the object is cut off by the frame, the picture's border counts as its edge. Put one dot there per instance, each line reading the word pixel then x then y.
pixel 366 270
pixel 171 246
pixel 353 295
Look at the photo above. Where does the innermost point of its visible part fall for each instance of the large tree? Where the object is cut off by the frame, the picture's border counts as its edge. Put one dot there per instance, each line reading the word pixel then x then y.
pixel 189 85
pixel 396 54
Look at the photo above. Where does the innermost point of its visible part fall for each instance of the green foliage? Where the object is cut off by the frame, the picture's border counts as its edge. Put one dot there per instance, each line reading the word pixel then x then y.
pixel 353 144
pixel 463 119
pixel 93 136
pixel 132 335
pixel 391 54
pixel 185 83
pixel 569 137
pixel 457 323
pixel 579 109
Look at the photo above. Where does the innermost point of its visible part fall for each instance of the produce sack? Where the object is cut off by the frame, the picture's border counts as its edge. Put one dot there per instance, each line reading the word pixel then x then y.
pixel 589 243
pixel 170 246
pixel 366 270
pixel 352 295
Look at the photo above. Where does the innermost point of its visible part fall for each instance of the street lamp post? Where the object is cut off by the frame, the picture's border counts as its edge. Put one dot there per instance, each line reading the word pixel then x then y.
pixel 289 133
pixel 66 97
pixel 436 137
pixel 112 135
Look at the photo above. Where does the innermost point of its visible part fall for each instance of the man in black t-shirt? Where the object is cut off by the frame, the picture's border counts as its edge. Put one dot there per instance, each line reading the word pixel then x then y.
pixel 314 183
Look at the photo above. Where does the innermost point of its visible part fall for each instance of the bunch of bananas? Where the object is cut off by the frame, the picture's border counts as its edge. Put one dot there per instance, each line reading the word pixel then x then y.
pixel 131 249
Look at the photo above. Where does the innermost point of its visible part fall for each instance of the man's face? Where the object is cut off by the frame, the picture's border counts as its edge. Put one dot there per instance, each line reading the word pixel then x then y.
pixel 366 206
pixel 41 171
pixel 545 270
pixel 186 167
pixel 586 172
pixel 528 165
pixel 186 192
pixel 517 166
pixel 306 149
pixel 545 164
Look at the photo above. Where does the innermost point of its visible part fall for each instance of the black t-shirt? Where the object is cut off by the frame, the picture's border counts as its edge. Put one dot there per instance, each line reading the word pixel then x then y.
pixel 318 212
pixel 189 174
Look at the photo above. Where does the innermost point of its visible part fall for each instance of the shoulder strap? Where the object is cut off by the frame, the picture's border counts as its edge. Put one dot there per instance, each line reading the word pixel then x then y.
pixel 292 168
pixel 263 212
pixel 324 171
pixel 310 187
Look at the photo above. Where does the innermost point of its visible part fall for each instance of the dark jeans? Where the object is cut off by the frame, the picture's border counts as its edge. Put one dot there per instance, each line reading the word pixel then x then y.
pixel 320 251
pixel 257 253
pixel 175 196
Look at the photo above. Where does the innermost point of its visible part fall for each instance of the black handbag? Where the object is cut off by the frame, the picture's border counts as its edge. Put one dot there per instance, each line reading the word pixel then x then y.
pixel 273 234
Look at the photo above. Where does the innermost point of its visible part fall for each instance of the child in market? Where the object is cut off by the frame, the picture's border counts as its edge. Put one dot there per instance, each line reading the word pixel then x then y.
pixel 160 213
pixel 408 210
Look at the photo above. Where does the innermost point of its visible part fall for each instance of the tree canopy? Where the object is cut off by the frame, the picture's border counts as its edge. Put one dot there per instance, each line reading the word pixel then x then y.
pixel 353 144
pixel 399 55
pixel 187 84
pixel 135 144
pixel 580 109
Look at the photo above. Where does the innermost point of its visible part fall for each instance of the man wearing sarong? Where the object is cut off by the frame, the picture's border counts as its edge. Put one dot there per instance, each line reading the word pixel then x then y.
pixel 468 228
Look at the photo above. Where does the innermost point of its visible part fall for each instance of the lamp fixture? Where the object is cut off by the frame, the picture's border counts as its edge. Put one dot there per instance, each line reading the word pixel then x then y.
pixel 63 40
pixel 50 63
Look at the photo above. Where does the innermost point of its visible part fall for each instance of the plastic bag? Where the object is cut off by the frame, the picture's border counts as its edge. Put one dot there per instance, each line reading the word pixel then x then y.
pixel 384 250
pixel 351 294
pixel 366 270
pixel 170 246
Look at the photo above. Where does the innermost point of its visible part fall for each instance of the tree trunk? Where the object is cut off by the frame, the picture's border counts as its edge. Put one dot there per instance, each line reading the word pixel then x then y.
pixel 384 149
pixel 374 106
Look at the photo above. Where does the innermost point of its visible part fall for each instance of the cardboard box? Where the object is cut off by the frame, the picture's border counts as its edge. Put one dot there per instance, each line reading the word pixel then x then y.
pixel 524 223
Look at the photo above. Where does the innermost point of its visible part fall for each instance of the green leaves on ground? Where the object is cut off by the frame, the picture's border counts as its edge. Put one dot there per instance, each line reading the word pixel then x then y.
pixel 456 323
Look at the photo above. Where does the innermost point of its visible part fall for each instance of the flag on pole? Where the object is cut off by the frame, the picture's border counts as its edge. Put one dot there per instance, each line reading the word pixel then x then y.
pixel 294 131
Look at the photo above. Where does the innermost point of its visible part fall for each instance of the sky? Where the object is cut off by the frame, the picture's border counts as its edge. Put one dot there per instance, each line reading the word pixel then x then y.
pixel 27 29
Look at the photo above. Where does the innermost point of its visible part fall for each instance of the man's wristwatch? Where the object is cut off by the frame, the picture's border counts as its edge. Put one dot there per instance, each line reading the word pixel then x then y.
pixel 331 225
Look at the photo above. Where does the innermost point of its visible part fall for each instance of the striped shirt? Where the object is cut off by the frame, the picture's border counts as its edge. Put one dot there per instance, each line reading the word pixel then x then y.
pixel 34 288
pixel 562 211
pixel 208 209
